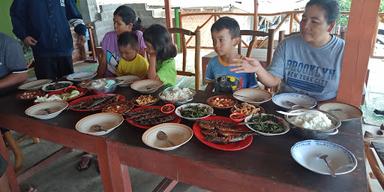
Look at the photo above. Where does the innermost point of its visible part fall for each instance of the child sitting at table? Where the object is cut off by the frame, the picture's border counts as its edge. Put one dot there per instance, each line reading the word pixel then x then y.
pixel 131 62
pixel 124 20
pixel 226 36
pixel 161 52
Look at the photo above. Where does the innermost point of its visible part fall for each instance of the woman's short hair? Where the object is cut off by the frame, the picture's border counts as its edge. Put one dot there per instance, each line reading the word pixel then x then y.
pixel 159 37
pixel 128 16
pixel 331 8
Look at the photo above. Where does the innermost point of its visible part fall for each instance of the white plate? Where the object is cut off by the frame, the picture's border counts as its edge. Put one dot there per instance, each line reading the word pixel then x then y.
pixel 282 121
pixel 307 154
pixel 178 134
pixel 177 95
pixel 107 120
pixel 178 110
pixel 296 98
pixel 47 110
pixel 45 87
pixel 342 111
pixel 81 76
pixel 125 81
pixel 34 85
pixel 146 86
pixel 252 95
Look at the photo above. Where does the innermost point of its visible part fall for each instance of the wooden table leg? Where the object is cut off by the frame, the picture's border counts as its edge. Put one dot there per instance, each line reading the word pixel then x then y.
pixel 10 173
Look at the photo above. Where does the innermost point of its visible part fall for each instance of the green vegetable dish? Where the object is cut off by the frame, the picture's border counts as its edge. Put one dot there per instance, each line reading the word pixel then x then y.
pixel 194 111
pixel 267 123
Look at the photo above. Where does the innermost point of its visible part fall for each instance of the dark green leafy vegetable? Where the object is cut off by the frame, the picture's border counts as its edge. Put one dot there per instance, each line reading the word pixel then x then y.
pixel 194 111
pixel 267 124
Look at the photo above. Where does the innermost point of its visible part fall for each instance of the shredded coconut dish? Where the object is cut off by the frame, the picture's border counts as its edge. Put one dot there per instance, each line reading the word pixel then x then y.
pixel 176 94
pixel 314 120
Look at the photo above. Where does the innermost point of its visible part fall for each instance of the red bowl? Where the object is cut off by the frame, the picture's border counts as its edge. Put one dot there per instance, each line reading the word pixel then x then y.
pixel 237 117
pixel 168 108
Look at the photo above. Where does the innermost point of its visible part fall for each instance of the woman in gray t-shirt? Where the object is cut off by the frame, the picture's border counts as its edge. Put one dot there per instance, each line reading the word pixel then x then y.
pixel 307 63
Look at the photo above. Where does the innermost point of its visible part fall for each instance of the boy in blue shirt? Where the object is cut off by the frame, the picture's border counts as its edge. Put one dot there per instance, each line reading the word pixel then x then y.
pixel 226 36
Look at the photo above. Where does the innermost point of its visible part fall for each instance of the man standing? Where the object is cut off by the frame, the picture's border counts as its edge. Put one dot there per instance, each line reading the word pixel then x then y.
pixel 44 25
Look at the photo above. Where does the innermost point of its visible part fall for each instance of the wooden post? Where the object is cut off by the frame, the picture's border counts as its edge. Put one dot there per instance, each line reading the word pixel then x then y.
pixel 255 14
pixel 168 18
pixel 361 30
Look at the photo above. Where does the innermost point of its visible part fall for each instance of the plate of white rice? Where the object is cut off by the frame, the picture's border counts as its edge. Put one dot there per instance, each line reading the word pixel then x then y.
pixel 315 120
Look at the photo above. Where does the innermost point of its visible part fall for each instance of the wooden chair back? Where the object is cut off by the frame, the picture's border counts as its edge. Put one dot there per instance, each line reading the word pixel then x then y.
pixel 184 42
pixel 373 163
pixel 255 34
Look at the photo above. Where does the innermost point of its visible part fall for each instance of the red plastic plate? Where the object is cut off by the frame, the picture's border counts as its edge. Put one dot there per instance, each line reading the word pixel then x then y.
pixel 74 102
pixel 176 120
pixel 236 146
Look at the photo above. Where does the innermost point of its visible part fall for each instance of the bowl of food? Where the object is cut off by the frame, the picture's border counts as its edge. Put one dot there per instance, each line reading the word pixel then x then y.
pixel 314 123
pixel 221 102
pixel 168 108
pixel 56 86
pixel 103 85
pixel 30 95
pixel 146 86
pixel 177 95
pixel 194 111
pixel 254 96
pixel 145 100
pixel 267 124
pixel 237 117
pixel 120 107
pixel 246 109
pixel 47 110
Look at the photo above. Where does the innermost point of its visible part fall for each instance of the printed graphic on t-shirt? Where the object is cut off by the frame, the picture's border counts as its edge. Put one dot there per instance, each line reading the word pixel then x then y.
pixel 112 61
pixel 227 83
pixel 308 77
pixel 62 3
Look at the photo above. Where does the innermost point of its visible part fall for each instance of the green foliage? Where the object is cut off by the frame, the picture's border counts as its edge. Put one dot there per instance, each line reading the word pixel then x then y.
pixel 345 5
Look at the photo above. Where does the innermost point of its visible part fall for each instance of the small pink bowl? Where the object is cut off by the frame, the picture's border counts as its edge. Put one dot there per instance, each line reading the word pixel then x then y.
pixel 237 117
pixel 167 108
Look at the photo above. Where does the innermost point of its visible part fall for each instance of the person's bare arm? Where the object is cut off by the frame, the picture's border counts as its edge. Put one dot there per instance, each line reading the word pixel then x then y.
pixel 13 79
pixel 252 65
pixel 152 68
pixel 102 64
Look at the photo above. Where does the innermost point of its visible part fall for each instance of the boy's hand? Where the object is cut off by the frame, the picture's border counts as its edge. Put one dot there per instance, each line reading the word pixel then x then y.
pixel 246 65
pixel 30 41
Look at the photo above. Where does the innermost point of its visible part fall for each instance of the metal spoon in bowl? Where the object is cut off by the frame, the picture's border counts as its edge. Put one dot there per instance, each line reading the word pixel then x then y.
pixel 293 113
pixel 324 157
pixel 161 135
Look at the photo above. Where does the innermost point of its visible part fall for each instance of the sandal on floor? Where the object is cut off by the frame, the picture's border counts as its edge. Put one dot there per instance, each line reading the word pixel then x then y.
pixel 85 162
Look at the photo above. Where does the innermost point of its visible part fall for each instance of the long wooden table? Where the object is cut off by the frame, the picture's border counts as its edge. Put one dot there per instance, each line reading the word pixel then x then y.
pixel 266 165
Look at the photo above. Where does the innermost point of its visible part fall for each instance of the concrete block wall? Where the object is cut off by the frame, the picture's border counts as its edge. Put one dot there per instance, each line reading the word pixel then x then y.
pixel 102 16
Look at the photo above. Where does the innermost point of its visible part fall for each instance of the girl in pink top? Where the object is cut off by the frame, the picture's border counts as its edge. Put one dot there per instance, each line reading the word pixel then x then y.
pixel 124 20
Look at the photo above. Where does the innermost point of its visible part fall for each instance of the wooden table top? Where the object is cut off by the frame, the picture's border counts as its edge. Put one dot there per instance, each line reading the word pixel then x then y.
pixel 265 165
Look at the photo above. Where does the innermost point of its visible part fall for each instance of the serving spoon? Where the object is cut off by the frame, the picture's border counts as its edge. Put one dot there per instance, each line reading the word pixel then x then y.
pixel 324 157
pixel 161 135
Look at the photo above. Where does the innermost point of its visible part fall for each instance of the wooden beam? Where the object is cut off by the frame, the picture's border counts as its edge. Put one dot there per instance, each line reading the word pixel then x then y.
pixel 359 39
pixel 168 18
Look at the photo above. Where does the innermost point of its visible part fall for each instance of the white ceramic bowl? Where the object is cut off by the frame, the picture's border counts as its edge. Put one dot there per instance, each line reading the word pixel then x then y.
pixel 47 89
pixel 307 153
pixel 254 96
pixel 285 99
pixel 342 111
pixel 179 109
pixel 81 76
pixel 183 96
pixel 46 110
pixel 109 121
pixel 34 85
pixel 280 120
pixel 178 134
pixel 146 86
pixel 126 80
